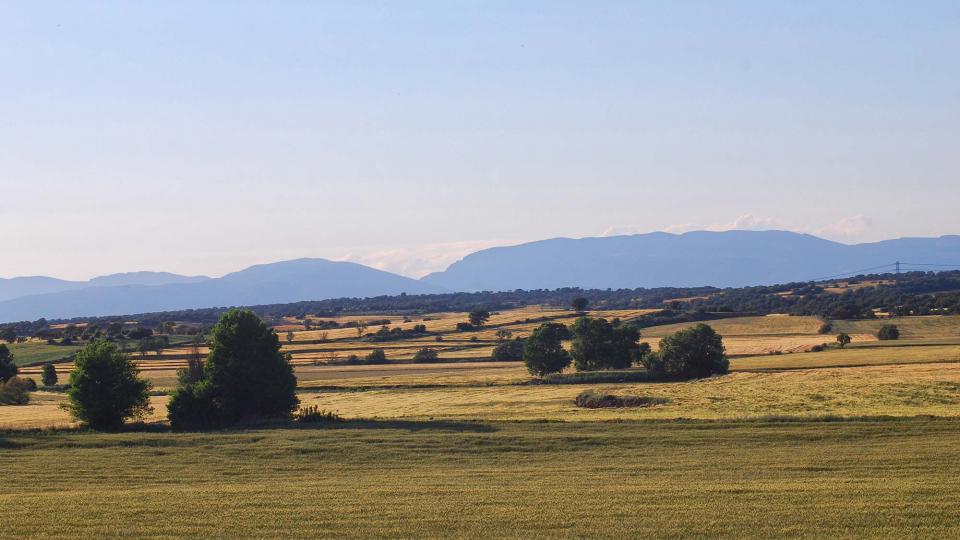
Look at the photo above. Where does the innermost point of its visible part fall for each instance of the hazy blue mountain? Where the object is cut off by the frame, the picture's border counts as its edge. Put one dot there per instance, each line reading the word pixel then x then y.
pixel 27 286
pixel 289 281
pixel 23 286
pixel 723 259
pixel 144 278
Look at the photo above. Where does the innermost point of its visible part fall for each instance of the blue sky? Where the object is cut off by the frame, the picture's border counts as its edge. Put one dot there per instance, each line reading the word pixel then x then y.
pixel 201 137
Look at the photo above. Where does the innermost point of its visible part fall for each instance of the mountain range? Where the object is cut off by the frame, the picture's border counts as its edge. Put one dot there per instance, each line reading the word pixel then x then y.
pixel 722 259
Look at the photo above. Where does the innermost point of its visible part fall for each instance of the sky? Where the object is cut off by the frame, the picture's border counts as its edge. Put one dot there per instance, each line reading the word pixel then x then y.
pixel 203 137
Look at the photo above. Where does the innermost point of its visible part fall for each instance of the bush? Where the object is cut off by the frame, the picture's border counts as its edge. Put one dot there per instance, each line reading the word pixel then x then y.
pixel 376 356
pixel 843 340
pixel 425 356
pixel 825 328
pixel 246 376
pixel 592 399
pixel 315 415
pixel 8 369
pixel 15 391
pixel 690 353
pixel 49 375
pixel 465 327
pixel 598 344
pixel 105 389
pixel 508 351
pixel 543 351
pixel 888 332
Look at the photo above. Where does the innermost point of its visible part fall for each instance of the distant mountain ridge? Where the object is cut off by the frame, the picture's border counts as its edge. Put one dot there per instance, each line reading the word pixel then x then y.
pixel 721 259
pixel 26 286
pixel 282 282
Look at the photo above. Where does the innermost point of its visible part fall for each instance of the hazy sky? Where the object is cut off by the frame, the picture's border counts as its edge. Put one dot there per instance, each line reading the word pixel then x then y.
pixel 201 137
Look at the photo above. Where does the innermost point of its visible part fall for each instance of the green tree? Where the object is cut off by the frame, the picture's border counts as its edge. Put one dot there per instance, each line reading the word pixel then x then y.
pixel 598 344
pixel 7 368
pixel 426 355
pixel 478 317
pixel 289 336
pixel 888 332
pixel 580 304
pixel 245 376
pixel 508 351
pixel 690 353
pixel 49 374
pixel 8 334
pixel 843 340
pixel 543 351
pixel 105 389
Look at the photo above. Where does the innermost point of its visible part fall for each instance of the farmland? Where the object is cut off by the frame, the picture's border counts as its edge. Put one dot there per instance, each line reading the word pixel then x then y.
pixel 853 442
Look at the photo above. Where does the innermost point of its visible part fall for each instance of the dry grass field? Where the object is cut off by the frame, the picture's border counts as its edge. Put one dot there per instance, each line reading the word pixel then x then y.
pixel 859 442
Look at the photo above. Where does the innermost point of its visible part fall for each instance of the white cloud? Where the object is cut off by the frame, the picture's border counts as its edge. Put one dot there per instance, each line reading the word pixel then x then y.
pixel 418 261
pixel 750 222
pixel 848 228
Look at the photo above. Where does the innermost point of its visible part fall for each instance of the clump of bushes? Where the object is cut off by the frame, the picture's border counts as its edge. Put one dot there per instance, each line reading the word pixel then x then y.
pixel 16 391
pixel 888 332
pixel 425 355
pixel 315 415
pixel 825 328
pixel 508 351
pixel 592 399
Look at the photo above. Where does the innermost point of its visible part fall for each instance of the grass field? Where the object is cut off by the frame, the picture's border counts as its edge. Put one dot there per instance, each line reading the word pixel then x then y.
pixel 437 479
pixel 859 442
pixel 33 352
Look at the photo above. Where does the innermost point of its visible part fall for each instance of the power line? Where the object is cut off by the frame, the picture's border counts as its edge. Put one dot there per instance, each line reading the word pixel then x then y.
pixel 854 272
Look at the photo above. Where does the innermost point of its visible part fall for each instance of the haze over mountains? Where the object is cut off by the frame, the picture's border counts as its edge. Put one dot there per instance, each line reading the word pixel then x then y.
pixel 722 259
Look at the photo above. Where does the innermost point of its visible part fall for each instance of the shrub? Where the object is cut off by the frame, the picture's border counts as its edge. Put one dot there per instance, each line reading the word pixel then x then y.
pixel 843 340
pixel 49 375
pixel 598 344
pixel 376 356
pixel 464 327
pixel 8 369
pixel 314 415
pixel 543 351
pixel 479 317
pixel 425 355
pixel 30 383
pixel 16 391
pixel 579 304
pixel 825 328
pixel 690 353
pixel 105 389
pixel 888 332
pixel 508 351
pixel 592 399
pixel 246 376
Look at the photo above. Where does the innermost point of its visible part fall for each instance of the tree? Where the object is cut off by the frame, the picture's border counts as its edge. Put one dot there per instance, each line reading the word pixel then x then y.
pixel 361 328
pixel 580 304
pixel 105 389
pixel 598 344
pixel 543 351
pixel 888 332
pixel 843 340
pixel 7 368
pixel 49 374
pixel 478 317
pixel 694 352
pixel 16 391
pixel 508 351
pixel 289 336
pixel 425 355
pixel 245 376
pixel 503 334
pixel 376 356
pixel 8 334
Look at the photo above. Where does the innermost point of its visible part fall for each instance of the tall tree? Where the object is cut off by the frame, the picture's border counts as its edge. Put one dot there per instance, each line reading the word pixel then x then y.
pixel 543 351
pixel 105 387
pixel 599 344
pixel 245 376
pixel 8 368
